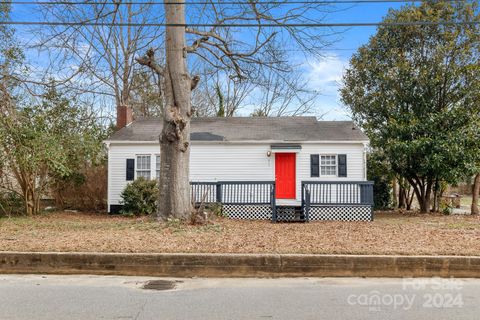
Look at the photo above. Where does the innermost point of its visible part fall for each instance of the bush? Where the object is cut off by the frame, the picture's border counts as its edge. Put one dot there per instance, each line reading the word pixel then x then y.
pixel 445 206
pixel 382 198
pixel 380 173
pixel 86 190
pixel 140 197
pixel 11 204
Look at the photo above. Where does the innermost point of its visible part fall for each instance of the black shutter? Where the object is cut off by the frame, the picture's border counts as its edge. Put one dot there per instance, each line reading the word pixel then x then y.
pixel 130 169
pixel 314 165
pixel 342 165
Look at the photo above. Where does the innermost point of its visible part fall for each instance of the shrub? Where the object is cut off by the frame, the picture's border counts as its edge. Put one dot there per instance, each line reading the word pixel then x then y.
pixel 85 190
pixel 140 197
pixel 446 206
pixel 380 173
pixel 10 204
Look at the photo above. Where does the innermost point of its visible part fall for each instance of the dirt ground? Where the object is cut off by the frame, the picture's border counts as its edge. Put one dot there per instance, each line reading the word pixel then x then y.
pixel 390 233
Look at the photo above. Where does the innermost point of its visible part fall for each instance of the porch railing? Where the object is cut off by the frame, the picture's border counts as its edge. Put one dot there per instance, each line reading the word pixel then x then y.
pixel 314 193
pixel 336 193
pixel 235 193
pixel 246 192
pixel 206 192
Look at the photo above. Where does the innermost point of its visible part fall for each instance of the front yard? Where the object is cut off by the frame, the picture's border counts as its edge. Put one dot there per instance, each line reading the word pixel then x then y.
pixel 390 233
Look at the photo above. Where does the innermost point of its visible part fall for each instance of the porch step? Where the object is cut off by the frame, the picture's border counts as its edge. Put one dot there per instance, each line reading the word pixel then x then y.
pixel 290 214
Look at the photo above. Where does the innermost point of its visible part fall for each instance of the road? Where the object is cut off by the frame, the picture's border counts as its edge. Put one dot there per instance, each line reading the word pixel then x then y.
pixel 96 297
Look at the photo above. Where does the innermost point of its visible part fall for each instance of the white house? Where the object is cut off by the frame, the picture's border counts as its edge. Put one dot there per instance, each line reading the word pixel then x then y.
pixel 258 167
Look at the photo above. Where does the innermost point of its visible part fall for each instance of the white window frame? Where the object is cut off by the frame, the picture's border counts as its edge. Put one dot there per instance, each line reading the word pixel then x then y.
pixel 149 170
pixel 157 170
pixel 336 165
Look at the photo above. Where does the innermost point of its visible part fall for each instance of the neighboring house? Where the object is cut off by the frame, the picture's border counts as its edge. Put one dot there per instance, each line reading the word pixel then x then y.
pixel 279 168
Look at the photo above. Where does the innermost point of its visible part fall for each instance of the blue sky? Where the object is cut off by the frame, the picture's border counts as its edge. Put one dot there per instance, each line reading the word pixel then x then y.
pixel 323 74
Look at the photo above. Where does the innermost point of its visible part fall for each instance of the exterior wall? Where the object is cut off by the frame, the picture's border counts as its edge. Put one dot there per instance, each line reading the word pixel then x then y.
pixel 235 162
pixel 355 163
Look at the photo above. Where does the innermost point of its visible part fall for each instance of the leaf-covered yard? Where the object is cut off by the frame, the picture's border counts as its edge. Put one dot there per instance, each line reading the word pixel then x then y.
pixel 390 233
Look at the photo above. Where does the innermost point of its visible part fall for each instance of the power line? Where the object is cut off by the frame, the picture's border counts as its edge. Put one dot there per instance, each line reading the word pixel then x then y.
pixel 273 2
pixel 244 25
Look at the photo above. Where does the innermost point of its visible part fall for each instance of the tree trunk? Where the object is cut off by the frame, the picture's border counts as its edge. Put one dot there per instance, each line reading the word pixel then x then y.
pixel 29 200
pixel 422 192
pixel 394 191
pixel 427 198
pixel 436 196
pixel 410 196
pixel 401 196
pixel 475 192
pixel 174 197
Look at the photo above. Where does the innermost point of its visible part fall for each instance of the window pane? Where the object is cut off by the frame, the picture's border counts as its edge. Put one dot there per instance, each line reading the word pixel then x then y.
pixel 328 165
pixel 145 174
pixel 143 166
pixel 328 160
pixel 143 162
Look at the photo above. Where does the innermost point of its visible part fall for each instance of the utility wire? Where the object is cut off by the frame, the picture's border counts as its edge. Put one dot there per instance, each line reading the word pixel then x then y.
pixel 245 25
pixel 234 2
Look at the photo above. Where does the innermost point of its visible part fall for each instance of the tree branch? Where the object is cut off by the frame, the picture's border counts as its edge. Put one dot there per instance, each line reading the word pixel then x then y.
pixel 149 60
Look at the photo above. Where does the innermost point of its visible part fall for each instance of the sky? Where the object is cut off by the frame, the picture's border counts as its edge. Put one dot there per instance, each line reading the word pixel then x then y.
pixel 323 75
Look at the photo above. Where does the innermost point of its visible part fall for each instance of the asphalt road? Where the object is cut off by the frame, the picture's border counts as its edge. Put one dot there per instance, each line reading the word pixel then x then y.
pixel 94 297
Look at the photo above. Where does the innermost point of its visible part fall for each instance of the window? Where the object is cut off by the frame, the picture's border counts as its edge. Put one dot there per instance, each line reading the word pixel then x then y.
pixel 328 165
pixel 143 166
pixel 157 167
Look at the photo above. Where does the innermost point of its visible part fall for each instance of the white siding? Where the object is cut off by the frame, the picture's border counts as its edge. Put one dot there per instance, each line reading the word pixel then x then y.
pixel 117 166
pixel 354 154
pixel 234 162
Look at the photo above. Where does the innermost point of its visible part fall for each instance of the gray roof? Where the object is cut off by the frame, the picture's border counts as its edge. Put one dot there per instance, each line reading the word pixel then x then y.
pixel 282 129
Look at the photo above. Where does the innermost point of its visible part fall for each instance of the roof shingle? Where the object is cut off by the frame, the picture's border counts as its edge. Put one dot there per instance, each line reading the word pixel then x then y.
pixel 282 129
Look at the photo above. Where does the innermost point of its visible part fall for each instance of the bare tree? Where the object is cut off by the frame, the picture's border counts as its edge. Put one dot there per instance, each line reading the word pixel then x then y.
pixel 98 59
pixel 284 94
pixel 282 91
pixel 233 92
pixel 222 48
pixel 146 94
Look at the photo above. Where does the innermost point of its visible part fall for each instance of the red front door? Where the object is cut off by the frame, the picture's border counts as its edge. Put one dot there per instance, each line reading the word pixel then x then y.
pixel 285 175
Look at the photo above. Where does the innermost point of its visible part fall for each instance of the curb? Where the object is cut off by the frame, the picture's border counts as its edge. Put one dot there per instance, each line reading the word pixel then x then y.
pixel 239 265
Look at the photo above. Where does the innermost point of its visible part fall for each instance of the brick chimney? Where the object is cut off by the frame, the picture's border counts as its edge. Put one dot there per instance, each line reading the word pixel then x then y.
pixel 124 116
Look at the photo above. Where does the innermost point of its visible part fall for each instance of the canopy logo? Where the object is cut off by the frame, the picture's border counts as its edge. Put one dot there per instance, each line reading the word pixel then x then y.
pixel 429 293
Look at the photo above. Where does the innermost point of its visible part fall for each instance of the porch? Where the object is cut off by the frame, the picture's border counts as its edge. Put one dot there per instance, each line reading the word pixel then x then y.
pixel 320 200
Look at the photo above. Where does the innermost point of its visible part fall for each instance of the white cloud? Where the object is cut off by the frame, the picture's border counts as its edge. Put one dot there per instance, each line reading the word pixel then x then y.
pixel 325 76
pixel 326 73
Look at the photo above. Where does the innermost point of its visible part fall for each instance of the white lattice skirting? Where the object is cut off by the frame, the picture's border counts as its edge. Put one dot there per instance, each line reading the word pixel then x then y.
pixel 248 211
pixel 264 212
pixel 340 213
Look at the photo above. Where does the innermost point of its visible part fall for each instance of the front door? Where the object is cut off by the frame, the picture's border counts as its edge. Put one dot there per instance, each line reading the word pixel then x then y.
pixel 285 175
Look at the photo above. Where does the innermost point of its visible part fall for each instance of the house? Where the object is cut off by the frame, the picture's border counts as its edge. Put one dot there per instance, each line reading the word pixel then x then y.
pixel 279 168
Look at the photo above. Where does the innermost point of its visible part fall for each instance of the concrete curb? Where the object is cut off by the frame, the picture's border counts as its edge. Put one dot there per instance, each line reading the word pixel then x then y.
pixel 239 265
